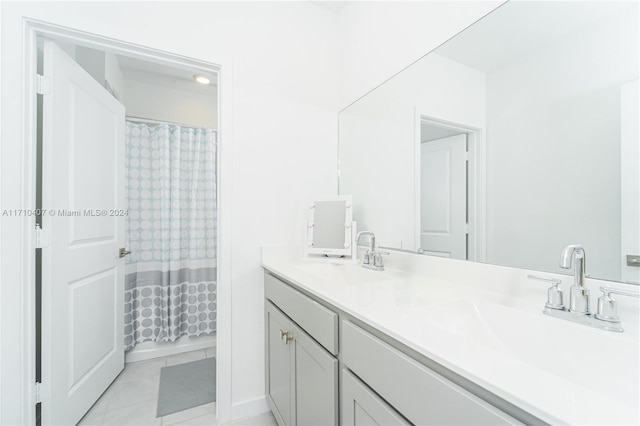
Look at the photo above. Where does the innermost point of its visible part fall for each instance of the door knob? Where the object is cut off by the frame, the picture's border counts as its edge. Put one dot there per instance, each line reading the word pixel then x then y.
pixel 123 252
pixel 284 335
pixel 287 338
pixel 633 260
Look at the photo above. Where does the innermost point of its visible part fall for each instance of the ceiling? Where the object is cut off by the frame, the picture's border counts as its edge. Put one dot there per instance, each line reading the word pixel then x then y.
pixel 132 68
pixel 519 27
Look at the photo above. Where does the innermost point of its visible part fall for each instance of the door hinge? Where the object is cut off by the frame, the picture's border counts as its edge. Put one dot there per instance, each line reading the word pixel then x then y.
pixel 43 84
pixel 38 392
pixel 466 228
pixel 42 237
pixel 466 156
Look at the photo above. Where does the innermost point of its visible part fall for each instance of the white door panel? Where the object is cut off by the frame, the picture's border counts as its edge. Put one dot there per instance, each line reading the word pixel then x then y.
pixel 443 200
pixel 82 275
pixel 630 178
pixel 436 197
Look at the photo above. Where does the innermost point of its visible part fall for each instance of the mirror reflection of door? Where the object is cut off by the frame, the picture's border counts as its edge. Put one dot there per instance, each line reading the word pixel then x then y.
pixel 630 181
pixel 443 192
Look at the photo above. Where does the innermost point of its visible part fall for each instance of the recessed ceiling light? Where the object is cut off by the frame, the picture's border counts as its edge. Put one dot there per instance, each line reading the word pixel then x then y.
pixel 202 79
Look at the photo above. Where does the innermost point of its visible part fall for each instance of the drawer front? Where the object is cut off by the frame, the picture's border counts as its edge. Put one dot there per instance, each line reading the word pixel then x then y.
pixel 318 321
pixel 419 394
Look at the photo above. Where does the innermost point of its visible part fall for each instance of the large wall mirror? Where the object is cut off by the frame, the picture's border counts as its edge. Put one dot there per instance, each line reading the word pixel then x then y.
pixel 515 138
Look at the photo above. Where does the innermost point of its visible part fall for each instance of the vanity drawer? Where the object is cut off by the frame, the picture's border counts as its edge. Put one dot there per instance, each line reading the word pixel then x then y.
pixel 418 393
pixel 318 321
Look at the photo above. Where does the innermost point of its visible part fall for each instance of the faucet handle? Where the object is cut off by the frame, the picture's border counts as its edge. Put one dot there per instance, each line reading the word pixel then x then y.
pixel 377 258
pixel 554 293
pixel 608 306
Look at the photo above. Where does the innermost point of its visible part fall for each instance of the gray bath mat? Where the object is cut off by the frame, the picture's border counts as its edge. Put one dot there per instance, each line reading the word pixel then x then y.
pixel 186 385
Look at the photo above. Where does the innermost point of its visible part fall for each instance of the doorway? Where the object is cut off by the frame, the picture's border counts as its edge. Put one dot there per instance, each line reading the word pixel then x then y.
pixel 154 59
pixel 449 195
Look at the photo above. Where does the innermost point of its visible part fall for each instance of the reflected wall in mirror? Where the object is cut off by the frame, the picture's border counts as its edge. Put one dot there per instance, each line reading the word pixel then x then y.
pixel 515 138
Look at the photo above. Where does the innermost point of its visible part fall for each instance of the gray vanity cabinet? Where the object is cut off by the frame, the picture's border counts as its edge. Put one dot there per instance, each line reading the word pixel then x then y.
pixel 279 374
pixel 316 382
pixel 379 383
pixel 420 394
pixel 301 374
pixel 362 407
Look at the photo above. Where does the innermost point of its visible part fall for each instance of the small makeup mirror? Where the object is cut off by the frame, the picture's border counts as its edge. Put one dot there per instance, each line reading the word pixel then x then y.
pixel 330 229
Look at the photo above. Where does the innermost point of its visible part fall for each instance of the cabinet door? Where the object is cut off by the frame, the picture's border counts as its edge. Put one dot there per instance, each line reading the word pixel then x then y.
pixel 361 406
pixel 278 365
pixel 316 382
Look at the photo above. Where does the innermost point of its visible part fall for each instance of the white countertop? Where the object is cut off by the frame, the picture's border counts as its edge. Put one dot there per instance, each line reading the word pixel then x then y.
pixel 558 371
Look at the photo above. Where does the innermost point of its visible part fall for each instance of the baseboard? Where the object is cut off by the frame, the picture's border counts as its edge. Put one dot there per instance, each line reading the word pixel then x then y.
pixel 150 350
pixel 249 408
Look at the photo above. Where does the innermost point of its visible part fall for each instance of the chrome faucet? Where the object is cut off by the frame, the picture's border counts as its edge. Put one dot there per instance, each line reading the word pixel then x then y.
pixel 372 259
pixel 578 293
pixel 606 316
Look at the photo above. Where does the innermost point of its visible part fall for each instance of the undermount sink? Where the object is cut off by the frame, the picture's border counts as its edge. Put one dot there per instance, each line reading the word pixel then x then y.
pixel 592 358
pixel 347 273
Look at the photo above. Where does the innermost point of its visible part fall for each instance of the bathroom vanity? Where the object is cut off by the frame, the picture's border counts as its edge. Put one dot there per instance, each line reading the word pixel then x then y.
pixel 436 341
pixel 470 155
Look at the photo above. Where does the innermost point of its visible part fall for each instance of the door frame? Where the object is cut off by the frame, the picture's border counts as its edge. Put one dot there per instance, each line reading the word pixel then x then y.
pixel 476 189
pixel 22 239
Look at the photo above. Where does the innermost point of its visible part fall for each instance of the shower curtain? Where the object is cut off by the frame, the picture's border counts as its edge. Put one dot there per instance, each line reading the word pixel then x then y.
pixel 170 283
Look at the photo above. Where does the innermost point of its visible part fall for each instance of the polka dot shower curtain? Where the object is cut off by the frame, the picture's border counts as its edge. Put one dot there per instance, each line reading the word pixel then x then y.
pixel 170 284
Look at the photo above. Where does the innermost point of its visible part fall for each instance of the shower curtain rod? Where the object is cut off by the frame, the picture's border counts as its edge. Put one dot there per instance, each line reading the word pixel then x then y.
pixel 151 121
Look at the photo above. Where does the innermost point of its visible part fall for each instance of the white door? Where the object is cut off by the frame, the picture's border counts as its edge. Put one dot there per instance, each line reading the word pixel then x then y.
pixel 82 274
pixel 443 199
pixel 630 179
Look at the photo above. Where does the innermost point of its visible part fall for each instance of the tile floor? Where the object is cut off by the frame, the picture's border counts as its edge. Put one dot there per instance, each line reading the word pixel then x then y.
pixel 132 397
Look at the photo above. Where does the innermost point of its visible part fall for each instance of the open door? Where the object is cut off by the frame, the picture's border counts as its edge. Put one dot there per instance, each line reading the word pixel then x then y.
pixel 443 198
pixel 82 273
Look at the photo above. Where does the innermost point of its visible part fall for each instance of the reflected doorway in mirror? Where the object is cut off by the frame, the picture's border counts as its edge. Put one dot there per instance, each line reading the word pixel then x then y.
pixel 630 181
pixel 448 195
pixel 443 197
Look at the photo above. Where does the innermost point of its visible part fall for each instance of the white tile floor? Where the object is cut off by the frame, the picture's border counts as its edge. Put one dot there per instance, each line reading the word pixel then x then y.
pixel 132 397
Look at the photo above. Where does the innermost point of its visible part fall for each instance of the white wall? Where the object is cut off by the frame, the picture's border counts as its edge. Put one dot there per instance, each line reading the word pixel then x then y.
pixel 92 61
pixel 113 76
pixel 578 100
pixel 379 144
pixel 380 38
pixel 102 66
pixel 285 82
pixel 163 98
